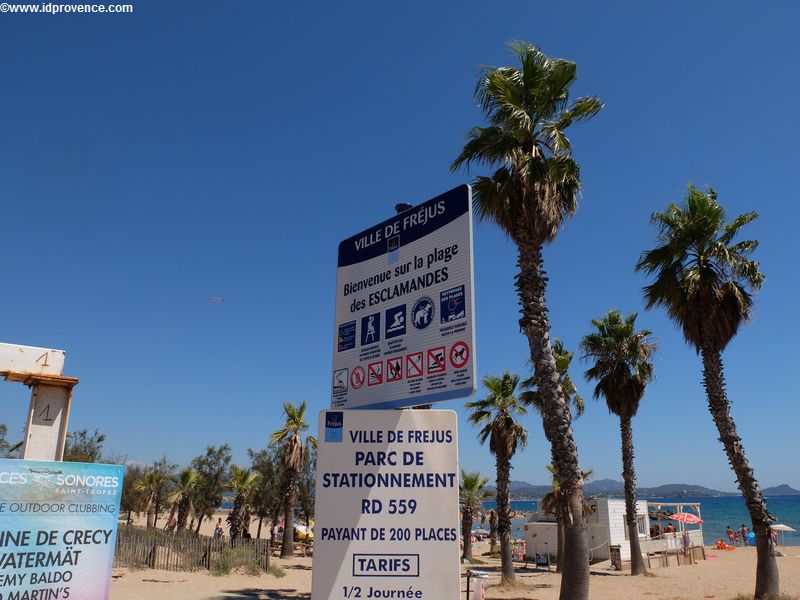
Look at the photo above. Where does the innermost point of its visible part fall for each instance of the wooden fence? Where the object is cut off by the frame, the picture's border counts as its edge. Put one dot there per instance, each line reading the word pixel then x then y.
pixel 156 549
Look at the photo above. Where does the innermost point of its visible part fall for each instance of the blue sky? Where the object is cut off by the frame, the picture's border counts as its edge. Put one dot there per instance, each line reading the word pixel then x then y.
pixel 193 149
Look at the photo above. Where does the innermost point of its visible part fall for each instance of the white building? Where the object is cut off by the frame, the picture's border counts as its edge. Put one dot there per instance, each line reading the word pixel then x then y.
pixel 606 526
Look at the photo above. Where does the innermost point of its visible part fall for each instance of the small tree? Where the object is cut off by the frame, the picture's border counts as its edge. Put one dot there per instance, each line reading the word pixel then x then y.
pixel 7 449
pixel 293 455
pixel 553 503
pixel 132 498
pixel 242 482
pixel 82 447
pixel 212 471
pixel 498 413
pixel 472 492
pixel 181 498
pixel 267 498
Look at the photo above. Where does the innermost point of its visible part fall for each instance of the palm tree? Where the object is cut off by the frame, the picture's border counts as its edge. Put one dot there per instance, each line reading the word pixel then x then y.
pixel 622 370
pixel 704 280
pixel 243 482
pixel 497 413
pixel 553 503
pixel 472 492
pixel 152 484
pixel 181 498
pixel 533 397
pixel 533 190
pixel 293 456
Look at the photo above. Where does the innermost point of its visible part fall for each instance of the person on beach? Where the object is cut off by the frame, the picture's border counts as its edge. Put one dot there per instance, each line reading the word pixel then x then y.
pixel 669 528
pixel 172 523
pixel 745 531
pixel 731 536
pixel 218 529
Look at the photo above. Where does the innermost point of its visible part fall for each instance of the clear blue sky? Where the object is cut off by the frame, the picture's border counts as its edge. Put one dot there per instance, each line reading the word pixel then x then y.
pixel 196 149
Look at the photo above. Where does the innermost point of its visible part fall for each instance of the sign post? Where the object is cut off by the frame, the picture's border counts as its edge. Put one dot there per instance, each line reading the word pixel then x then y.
pixel 404 331
pixel 386 505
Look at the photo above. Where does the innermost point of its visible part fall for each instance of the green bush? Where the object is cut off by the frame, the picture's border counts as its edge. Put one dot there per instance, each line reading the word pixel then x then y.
pixel 235 558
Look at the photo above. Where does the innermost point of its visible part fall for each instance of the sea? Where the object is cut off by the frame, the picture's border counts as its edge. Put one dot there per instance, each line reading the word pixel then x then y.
pixel 717 514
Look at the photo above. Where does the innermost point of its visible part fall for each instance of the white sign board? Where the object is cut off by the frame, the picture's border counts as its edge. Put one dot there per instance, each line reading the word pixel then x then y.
pixel 404 330
pixel 27 359
pixel 386 516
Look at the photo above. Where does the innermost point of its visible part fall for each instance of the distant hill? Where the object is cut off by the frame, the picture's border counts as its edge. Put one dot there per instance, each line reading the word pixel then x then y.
pixel 780 490
pixel 522 490
pixel 604 487
pixel 681 490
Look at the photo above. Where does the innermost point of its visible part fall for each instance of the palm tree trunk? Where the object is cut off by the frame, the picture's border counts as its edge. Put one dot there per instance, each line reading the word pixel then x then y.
pixel 466 534
pixel 560 549
pixel 767 580
pixel 492 532
pixel 504 519
pixel 258 531
pixel 287 548
pixel 629 477
pixel 199 522
pixel 557 419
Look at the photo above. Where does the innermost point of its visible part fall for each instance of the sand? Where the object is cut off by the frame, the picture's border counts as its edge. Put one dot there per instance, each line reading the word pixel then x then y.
pixel 206 527
pixel 723 578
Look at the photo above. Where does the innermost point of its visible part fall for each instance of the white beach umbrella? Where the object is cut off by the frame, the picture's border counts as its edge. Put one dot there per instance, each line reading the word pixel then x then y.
pixel 781 527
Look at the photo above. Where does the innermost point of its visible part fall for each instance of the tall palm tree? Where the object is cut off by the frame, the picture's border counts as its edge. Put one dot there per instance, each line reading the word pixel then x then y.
pixel 243 483
pixel 293 457
pixel 704 280
pixel 498 414
pixel 533 190
pixel 472 492
pixel 622 370
pixel 181 498
pixel 553 503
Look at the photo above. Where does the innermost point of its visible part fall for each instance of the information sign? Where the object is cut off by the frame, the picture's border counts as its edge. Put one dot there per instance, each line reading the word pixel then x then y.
pixel 58 529
pixel 386 511
pixel 404 291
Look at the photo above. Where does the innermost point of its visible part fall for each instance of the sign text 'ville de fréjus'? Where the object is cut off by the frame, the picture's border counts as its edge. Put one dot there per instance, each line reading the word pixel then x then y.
pixel 404 327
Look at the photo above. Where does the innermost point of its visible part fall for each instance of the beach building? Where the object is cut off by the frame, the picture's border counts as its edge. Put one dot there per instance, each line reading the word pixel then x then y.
pixel 606 527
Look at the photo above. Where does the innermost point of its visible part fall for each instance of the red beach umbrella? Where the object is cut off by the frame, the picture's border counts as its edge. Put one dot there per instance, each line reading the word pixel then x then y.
pixel 686 518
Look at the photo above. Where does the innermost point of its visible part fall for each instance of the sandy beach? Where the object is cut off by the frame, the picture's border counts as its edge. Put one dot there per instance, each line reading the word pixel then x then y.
pixel 724 575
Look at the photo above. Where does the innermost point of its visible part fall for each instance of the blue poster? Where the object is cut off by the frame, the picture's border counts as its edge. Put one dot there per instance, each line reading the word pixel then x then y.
pixel 58 529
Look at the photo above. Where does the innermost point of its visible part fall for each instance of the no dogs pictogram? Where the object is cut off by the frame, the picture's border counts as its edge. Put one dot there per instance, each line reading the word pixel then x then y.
pixel 394 368
pixel 414 365
pixel 357 377
pixel 459 354
pixel 436 363
pixel 375 373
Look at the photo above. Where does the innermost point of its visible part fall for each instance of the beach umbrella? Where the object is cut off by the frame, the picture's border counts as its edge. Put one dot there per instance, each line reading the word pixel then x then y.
pixel 687 518
pixel 781 527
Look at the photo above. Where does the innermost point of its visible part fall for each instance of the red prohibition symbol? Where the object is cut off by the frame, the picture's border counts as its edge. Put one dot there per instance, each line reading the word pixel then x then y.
pixel 459 354
pixel 357 377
